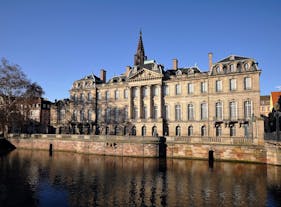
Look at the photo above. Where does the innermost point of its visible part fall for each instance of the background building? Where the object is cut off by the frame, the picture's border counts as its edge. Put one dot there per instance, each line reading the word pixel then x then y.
pixel 265 105
pixel 147 100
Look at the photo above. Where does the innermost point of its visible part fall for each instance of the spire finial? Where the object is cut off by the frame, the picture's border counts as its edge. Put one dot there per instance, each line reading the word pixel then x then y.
pixel 140 55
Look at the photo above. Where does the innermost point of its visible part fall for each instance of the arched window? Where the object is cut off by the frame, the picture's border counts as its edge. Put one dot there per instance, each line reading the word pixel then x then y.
pixel 219 111
pixel 178 131
pixel 218 131
pixel 247 109
pixel 190 131
pixel 143 131
pixel 203 131
pixel 154 131
pixel 134 131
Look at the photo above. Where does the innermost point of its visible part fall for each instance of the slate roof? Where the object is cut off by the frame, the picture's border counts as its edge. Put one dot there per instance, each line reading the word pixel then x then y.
pixel 232 58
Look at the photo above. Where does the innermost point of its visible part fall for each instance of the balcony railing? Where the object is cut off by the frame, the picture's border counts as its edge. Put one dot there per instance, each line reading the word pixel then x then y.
pixel 213 140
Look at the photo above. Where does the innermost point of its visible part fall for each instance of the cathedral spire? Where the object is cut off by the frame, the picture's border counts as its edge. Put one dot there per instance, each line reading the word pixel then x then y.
pixel 140 55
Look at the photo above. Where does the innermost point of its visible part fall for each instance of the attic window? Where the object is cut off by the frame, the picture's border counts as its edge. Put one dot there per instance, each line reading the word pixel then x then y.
pixel 231 68
pixel 218 69
pixel 178 72
pixel 191 71
pixel 246 66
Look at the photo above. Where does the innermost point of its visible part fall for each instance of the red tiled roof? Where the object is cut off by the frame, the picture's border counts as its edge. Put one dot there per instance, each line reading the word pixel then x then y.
pixel 275 96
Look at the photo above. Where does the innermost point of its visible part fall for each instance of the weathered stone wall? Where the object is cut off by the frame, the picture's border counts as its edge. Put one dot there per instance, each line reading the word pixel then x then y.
pixel 273 152
pixel 233 150
pixel 102 146
pixel 220 152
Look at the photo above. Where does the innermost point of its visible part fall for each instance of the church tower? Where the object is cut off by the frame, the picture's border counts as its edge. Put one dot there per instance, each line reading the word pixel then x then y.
pixel 140 55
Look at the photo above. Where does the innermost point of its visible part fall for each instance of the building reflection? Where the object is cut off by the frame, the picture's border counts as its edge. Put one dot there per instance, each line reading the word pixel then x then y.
pixel 122 181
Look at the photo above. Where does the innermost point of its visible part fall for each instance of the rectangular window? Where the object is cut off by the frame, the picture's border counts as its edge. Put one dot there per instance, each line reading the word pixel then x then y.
pixel 107 114
pixel 166 90
pixel 98 95
pixel 232 84
pixel 203 87
pixel 190 88
pixel 126 113
pixel 126 94
pixel 135 113
pixel 107 95
pixel 116 114
pixel 233 110
pixel 218 85
pixel 177 112
pixel 190 112
pixel 204 111
pixel 116 95
pixel 247 83
pixel 144 112
pixel 89 96
pixel 178 89
pixel 155 112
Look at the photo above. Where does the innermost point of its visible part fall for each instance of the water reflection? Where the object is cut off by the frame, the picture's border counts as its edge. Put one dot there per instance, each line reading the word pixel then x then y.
pixel 33 178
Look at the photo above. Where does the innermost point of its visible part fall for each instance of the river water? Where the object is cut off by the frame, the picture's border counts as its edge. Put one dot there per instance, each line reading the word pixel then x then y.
pixel 34 178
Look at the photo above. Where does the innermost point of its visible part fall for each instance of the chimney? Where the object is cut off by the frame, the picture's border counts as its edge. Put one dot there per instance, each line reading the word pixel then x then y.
pixel 175 64
pixel 103 75
pixel 128 68
pixel 210 56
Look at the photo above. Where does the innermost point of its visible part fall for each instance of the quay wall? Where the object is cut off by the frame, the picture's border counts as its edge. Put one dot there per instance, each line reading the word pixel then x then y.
pixel 100 145
pixel 228 150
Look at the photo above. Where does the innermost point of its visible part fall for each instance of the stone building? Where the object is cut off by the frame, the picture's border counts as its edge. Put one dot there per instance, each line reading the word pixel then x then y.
pixel 148 100
pixel 265 105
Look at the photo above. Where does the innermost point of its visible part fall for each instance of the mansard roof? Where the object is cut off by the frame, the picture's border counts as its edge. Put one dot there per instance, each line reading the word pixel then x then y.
pixel 116 79
pixel 233 58
pixel 181 71
pixel 234 64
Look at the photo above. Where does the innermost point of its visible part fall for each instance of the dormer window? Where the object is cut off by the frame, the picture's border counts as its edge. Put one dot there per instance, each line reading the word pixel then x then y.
pixel 178 72
pixel 246 66
pixel 231 68
pixel 218 69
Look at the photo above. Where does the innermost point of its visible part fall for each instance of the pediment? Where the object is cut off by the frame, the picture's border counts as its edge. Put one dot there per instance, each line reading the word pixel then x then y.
pixel 145 74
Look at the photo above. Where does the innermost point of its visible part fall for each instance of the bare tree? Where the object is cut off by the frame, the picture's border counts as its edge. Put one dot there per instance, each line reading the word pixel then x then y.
pixel 16 92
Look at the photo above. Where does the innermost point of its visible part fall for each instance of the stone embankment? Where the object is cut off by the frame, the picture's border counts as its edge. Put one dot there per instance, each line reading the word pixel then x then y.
pixel 245 150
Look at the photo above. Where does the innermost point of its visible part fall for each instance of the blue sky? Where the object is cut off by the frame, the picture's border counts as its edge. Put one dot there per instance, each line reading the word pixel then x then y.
pixel 59 41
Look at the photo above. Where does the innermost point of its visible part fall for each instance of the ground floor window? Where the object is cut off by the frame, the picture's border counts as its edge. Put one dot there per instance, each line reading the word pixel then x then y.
pixel 178 131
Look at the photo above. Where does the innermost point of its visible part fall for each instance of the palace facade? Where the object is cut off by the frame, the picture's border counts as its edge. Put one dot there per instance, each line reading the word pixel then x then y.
pixel 148 100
